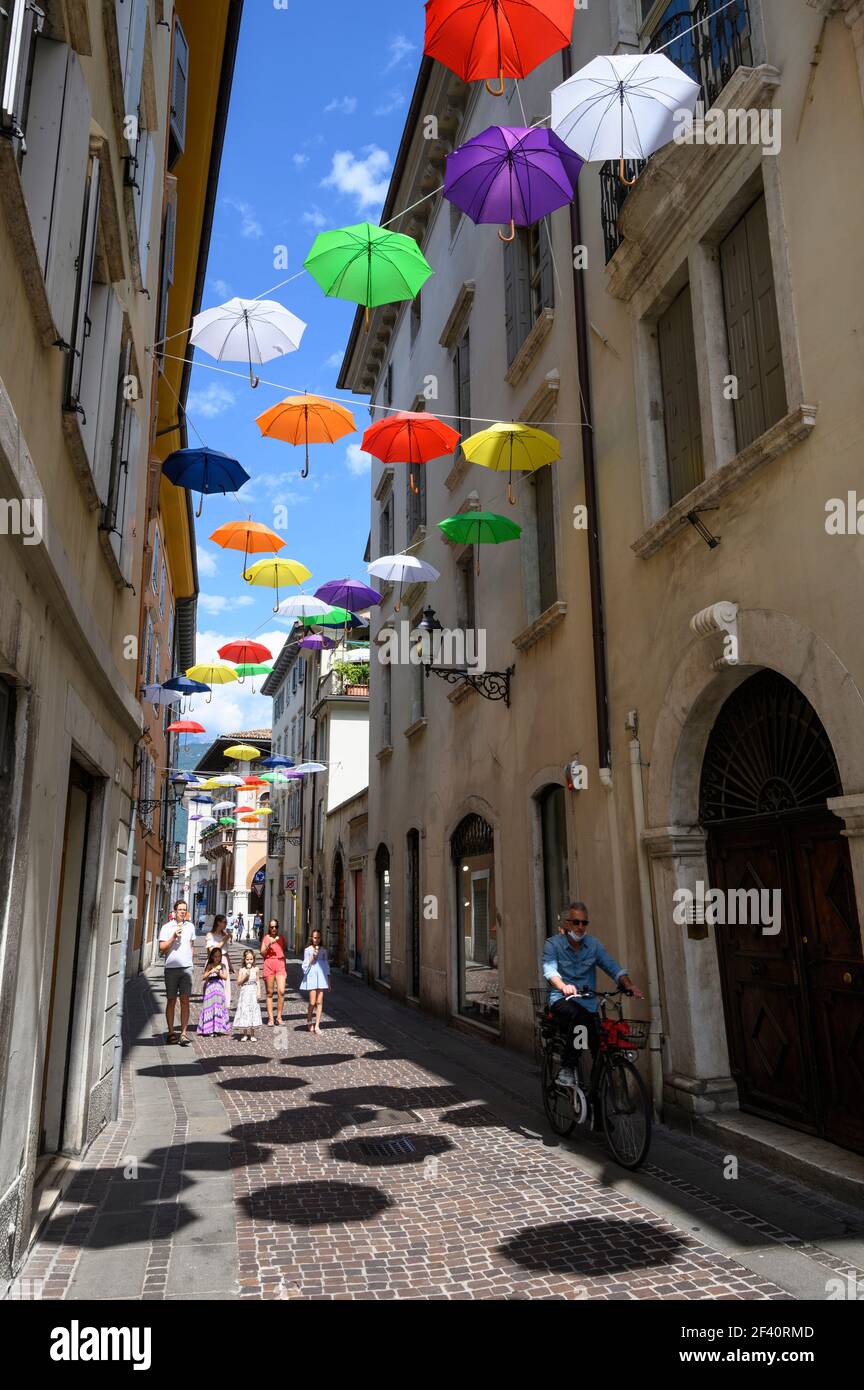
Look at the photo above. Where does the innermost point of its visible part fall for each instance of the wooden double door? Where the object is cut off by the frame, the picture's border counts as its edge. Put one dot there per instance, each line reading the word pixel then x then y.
pixel 794 1000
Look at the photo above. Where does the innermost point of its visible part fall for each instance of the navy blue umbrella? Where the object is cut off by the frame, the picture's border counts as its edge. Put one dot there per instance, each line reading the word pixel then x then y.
pixel 185 685
pixel 277 760
pixel 204 470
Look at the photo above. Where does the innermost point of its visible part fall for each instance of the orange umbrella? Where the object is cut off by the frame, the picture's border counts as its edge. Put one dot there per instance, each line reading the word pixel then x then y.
pixel 252 537
pixel 306 420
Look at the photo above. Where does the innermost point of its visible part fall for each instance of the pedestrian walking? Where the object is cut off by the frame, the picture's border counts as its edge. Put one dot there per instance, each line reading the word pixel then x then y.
pixel 316 978
pixel 175 948
pixel 222 936
pixel 214 1017
pixel 238 927
pixel 247 1015
pixel 259 925
pixel 274 949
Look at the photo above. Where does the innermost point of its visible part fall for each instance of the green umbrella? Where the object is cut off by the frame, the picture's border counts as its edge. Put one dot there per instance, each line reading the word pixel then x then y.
pixel 367 265
pixel 227 820
pixel 253 670
pixel 480 528
pixel 334 617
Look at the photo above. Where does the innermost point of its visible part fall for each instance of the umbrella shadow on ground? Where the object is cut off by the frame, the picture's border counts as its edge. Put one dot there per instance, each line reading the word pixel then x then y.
pixel 391 1150
pixel 246 1059
pixel 263 1083
pixel 390 1097
pixel 316 1203
pixel 303 1124
pixel 319 1059
pixel 593 1246
pixel 473 1117
pixel 207 1156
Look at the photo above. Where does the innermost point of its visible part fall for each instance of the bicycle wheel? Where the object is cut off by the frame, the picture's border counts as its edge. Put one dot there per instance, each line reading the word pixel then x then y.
pixel 556 1102
pixel 626 1112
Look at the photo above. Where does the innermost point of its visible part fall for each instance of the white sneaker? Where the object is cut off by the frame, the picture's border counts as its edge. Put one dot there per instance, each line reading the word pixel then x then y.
pixel 566 1077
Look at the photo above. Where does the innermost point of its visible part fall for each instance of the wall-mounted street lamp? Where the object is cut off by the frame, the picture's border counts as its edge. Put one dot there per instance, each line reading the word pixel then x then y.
pixel 173 796
pixel 492 685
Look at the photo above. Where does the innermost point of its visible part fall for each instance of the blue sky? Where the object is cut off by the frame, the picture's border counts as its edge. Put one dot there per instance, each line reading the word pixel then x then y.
pixel 320 96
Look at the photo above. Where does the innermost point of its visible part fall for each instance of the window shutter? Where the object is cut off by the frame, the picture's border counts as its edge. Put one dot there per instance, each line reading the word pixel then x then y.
pixel 179 87
pixel 511 315
pixel 98 396
pixel 751 325
pixel 118 442
pixel 81 323
pixel 133 59
pixel 18 26
pixel 681 416
pixel 544 508
pixel 519 319
pixel 123 13
pixel 547 269
pixel 167 275
pixel 142 194
pixel 463 377
pixel 126 502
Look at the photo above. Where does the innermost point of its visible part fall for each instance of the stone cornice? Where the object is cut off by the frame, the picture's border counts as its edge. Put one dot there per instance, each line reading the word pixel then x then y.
pixel 527 353
pixel 534 632
pixel 385 484
pixel 675 181
pixel 545 399
pixel 675 841
pixel 455 324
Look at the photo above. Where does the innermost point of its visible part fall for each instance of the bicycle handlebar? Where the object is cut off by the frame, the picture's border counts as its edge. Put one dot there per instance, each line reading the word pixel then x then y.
pixel 599 994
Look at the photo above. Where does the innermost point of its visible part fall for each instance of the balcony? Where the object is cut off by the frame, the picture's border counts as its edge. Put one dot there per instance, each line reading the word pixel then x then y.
pixel 337 683
pixel 217 840
pixel 175 857
pixel 710 54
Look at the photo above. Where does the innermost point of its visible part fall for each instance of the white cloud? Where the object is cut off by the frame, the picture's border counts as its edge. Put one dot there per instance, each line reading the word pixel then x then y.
pixel 207 566
pixel 217 603
pixel 346 106
pixel 365 180
pixel 394 102
pixel 222 288
pixel 399 48
pixel 314 217
pixel 299 160
pixel 335 359
pixel 214 400
pixel 356 461
pixel 249 225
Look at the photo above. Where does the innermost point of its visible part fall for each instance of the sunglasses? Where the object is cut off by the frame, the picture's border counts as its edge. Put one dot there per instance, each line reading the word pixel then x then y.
pixel 578 921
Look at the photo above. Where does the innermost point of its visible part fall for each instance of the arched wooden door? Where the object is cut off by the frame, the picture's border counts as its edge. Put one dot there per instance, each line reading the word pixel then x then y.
pixel 793 998
pixel 337 920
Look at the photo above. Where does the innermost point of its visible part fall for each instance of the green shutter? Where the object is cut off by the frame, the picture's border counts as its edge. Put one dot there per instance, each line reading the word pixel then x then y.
pixel 752 327
pixel 681 416
pixel 547 276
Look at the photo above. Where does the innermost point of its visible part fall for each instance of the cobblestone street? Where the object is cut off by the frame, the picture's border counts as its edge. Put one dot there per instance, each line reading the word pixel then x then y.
pixel 392 1158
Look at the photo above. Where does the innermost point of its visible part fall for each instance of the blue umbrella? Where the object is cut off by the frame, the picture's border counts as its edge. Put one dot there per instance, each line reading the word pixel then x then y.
pixel 277 760
pixel 204 470
pixel 185 685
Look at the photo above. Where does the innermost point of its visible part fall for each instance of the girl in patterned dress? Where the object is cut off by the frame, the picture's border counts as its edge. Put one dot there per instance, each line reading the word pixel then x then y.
pixel 316 978
pixel 247 1015
pixel 214 1017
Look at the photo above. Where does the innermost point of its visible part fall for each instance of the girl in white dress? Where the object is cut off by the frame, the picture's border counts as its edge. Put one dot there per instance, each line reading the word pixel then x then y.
pixel 247 1016
pixel 316 978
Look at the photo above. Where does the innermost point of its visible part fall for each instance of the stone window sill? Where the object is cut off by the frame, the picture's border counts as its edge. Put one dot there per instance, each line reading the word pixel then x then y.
pixel 460 693
pixel 794 427
pixel 385 754
pixel 78 455
pixel 416 728
pixel 530 348
pixel 536 631
pixel 457 473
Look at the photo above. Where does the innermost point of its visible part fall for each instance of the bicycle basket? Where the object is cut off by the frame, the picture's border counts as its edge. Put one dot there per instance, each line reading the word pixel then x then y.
pixel 538 999
pixel 637 1032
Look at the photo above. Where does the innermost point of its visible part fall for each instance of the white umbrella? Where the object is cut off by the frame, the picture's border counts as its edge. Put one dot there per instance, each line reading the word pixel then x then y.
pixel 303 606
pixel 223 805
pixel 228 780
pixel 158 695
pixel 253 330
pixel 311 767
pixel 622 107
pixel 401 569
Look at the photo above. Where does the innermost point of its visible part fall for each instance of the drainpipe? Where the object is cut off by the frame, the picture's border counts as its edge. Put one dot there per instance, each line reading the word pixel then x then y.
pixel 124 947
pixel 655 1040
pixel 598 622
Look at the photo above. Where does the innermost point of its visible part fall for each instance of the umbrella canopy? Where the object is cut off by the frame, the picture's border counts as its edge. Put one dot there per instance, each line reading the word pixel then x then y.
pixel 303 606
pixel 209 785
pixel 252 537
pixel 274 777
pixel 316 643
pixel 247 330
pixel 310 767
pixel 496 38
pixel 185 726
pixel 212 675
pixel 185 686
pixel 246 810
pixel 335 617
pixel 511 174
pixel 223 805
pixel 160 695
pixel 505 447
pixel 306 420
pixel 368 265
pixel 410 437
pixel 202 800
pixel 263 811
pixel 253 782
pixel 204 470
pixel 227 820
pixel 348 593
pixel 245 651
pixel 245 669
pixel 402 569
pixel 242 752
pixel 622 107
pixel 479 528
pixel 273 574
pixel 277 760
pixel 228 779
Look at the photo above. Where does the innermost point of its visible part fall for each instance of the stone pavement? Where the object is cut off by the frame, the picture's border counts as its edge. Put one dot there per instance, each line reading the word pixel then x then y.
pixel 391 1157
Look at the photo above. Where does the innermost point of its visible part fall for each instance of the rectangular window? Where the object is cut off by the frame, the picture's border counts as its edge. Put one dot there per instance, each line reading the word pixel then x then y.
pixel 467 592
pixel 148 651
pixel 416 497
pixel 162 590
pixel 179 95
pixel 386 543
pixel 529 285
pixel 386 673
pixel 462 384
pixel 752 327
pixel 143 175
pixel 157 662
pixel 416 316
pixel 681 418
pixel 418 681
pixel 544 515
pixel 166 276
pixel 293 679
pixel 388 385
pixel 154 573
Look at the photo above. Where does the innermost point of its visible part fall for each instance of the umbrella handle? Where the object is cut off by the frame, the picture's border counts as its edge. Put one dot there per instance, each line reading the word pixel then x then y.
pixel 200 505
pixel 512 236
pixel 305 473
pixel 628 183
pixel 510 498
pixel 499 90
pixel 413 486
pixel 366 330
pixel 254 380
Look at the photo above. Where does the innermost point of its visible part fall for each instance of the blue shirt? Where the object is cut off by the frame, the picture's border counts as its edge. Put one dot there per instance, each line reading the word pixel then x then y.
pixel 578 965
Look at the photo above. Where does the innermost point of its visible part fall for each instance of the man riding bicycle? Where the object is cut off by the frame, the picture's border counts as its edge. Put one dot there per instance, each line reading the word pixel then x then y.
pixel 570 962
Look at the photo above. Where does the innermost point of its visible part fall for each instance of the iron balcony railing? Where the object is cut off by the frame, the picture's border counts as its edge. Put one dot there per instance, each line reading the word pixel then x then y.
pixel 710 44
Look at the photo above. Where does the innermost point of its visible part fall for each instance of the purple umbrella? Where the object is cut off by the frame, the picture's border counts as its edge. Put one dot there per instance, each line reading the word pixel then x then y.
pixel 512 174
pixel 347 593
pixel 318 643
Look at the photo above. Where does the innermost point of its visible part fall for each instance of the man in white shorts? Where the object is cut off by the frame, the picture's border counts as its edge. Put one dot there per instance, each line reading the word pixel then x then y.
pixel 175 948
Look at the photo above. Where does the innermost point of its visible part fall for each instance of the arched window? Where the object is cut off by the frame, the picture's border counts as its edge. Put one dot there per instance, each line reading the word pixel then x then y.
pixel 472 850
pixel 552 806
pixel 382 881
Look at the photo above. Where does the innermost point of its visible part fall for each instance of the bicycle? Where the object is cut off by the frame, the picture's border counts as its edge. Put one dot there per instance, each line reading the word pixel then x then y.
pixel 610 1088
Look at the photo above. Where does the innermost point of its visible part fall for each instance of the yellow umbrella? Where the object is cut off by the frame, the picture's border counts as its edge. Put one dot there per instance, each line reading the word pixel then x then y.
pixel 512 446
pixel 271 573
pixel 208 786
pixel 212 675
pixel 263 811
pixel 243 752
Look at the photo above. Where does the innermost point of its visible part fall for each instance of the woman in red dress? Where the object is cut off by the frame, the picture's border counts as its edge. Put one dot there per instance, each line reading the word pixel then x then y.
pixel 274 949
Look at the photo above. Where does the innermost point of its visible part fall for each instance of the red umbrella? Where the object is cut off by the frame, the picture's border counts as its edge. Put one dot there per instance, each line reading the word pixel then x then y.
pixel 254 782
pixel 496 38
pixel 410 437
pixel 249 809
pixel 185 726
pixel 245 653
